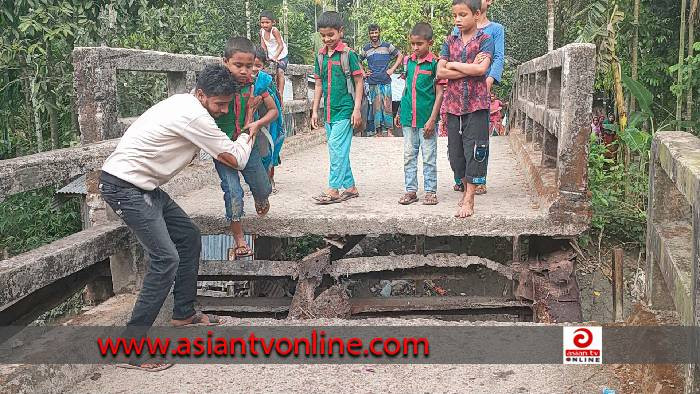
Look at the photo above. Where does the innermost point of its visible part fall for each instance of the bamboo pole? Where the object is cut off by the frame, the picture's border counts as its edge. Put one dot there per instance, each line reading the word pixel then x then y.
pixel 618 284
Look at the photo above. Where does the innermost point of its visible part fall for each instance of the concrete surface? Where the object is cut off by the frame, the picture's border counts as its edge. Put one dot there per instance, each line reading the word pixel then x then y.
pixel 367 378
pixel 510 207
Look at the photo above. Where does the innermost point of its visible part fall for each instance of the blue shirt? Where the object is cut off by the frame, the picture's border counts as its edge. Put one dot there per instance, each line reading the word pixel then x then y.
pixel 378 60
pixel 498 33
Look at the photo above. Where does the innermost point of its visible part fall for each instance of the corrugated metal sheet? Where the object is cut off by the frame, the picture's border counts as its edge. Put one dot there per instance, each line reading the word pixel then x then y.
pixel 215 247
pixel 78 186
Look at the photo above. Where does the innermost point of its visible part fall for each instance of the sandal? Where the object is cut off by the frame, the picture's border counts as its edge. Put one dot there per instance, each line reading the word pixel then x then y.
pixel 262 207
pixel 346 195
pixel 325 199
pixel 458 188
pixel 198 320
pixel 430 199
pixel 240 252
pixel 481 189
pixel 152 367
pixel 408 198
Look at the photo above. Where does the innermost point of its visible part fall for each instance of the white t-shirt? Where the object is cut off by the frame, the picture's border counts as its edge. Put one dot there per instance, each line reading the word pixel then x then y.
pixel 165 139
pixel 272 44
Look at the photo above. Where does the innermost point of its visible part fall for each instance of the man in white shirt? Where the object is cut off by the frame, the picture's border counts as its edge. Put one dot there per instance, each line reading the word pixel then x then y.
pixel 156 147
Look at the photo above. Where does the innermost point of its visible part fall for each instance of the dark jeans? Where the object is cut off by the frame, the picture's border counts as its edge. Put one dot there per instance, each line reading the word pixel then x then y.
pixel 173 244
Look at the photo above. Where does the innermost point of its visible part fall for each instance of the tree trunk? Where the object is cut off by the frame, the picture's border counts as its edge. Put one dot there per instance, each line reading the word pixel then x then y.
pixel 550 25
pixel 681 57
pixel 51 103
pixel 247 18
pixel 37 117
pixel 635 52
pixel 691 50
pixel 285 21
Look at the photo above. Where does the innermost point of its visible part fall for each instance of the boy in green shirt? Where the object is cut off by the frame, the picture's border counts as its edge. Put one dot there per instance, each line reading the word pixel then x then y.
pixel 342 105
pixel 239 58
pixel 419 111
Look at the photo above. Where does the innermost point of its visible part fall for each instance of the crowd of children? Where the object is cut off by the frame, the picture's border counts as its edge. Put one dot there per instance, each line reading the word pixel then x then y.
pixel 449 94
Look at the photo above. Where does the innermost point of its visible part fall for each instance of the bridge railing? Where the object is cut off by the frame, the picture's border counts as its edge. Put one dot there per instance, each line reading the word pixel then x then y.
pixel 550 125
pixel 36 281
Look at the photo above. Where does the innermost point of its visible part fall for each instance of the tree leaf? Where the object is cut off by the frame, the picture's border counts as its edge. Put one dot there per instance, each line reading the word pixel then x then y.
pixel 639 91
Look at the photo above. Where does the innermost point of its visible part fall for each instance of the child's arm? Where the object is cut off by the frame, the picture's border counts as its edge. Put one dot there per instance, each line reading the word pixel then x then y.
pixel 278 37
pixel 262 41
pixel 470 69
pixel 498 57
pixel 318 91
pixel 271 115
pixel 444 73
pixel 356 119
pixel 429 127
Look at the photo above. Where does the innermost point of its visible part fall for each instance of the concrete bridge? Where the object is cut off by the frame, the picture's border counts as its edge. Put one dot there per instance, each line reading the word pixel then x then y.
pixel 516 244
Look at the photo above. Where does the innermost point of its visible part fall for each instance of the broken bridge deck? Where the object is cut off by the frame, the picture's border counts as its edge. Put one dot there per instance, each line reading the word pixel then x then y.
pixel 510 208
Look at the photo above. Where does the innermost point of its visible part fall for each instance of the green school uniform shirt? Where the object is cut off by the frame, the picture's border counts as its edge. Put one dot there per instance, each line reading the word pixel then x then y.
pixel 232 123
pixel 419 97
pixel 339 103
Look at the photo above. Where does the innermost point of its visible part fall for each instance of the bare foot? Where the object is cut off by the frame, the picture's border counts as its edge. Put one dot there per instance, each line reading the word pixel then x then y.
pixel 466 207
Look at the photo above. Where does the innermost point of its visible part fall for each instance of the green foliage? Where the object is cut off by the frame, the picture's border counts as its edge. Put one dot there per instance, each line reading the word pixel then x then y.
pixel 298 248
pixel 27 220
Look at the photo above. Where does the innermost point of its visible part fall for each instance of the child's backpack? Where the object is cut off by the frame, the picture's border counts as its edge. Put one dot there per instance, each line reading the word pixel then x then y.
pixel 345 64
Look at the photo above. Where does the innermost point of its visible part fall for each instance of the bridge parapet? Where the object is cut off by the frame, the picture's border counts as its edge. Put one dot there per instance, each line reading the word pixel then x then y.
pixel 550 127
pixel 96 71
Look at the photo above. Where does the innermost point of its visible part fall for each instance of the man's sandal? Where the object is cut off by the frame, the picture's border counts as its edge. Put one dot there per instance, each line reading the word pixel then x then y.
pixel 408 198
pixel 458 188
pixel 481 189
pixel 198 320
pixel 430 199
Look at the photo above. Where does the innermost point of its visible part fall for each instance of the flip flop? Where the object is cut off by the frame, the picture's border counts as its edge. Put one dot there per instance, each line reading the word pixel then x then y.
pixel 198 320
pixel 346 195
pixel 161 367
pixel 248 251
pixel 326 199
pixel 480 190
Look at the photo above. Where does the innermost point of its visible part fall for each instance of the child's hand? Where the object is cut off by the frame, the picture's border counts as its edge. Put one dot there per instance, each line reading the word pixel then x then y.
pixel 356 119
pixel 314 119
pixel 429 128
pixel 397 121
pixel 489 83
pixel 252 128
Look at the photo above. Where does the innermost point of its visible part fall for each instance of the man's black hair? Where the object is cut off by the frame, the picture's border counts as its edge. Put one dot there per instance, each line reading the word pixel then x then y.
pixel 238 44
pixel 423 30
pixel 217 80
pixel 373 27
pixel 474 5
pixel 268 14
pixel 332 20
pixel 261 54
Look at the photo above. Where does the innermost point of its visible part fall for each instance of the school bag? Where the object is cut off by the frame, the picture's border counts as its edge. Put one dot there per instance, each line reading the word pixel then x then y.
pixel 345 65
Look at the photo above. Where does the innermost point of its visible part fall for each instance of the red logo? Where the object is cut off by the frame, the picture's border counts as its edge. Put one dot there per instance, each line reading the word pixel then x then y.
pixel 583 337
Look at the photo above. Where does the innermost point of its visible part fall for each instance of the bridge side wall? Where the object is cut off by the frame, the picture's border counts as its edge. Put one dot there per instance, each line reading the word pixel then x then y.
pixel 673 231
pixel 550 125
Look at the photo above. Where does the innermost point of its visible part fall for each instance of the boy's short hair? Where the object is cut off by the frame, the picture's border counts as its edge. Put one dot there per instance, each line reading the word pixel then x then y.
pixel 373 27
pixel 267 14
pixel 235 45
pixel 474 5
pixel 423 30
pixel 332 20
pixel 261 54
pixel 217 80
